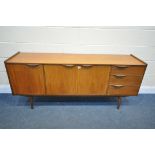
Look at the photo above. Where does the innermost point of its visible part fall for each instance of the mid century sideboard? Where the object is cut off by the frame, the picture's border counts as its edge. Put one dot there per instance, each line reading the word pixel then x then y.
pixel 41 74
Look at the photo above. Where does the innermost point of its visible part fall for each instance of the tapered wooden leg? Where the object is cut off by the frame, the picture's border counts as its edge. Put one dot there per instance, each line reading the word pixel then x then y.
pixel 119 102
pixel 31 101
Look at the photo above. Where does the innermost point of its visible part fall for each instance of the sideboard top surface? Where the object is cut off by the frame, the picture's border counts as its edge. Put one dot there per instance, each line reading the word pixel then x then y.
pixel 61 58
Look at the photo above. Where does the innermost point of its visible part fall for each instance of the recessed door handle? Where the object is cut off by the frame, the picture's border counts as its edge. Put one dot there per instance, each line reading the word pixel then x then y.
pixel 87 66
pixel 122 67
pixel 119 75
pixel 69 65
pixel 118 86
pixel 32 65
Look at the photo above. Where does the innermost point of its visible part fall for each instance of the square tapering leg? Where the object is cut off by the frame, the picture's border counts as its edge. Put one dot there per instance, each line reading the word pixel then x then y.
pixel 119 102
pixel 31 102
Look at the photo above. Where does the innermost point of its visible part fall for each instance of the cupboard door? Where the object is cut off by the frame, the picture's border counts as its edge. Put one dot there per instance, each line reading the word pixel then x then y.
pixel 61 79
pixel 26 79
pixel 93 80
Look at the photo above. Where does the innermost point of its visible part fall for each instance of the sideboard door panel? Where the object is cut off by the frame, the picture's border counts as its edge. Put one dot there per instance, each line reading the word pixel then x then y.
pixel 61 79
pixel 93 80
pixel 26 79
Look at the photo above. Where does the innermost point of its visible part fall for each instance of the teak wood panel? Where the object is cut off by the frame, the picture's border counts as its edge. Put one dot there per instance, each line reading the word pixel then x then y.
pixel 128 70
pixel 60 80
pixel 125 79
pixel 124 90
pixel 26 79
pixel 61 58
pixel 93 80
pixel 76 80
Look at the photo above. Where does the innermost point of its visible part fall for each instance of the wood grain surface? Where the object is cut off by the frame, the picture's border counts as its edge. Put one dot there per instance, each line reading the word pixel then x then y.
pixel 60 58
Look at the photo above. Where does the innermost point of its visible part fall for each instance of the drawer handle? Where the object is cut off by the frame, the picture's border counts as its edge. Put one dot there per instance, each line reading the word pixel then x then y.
pixel 87 65
pixel 119 75
pixel 32 65
pixel 122 67
pixel 118 86
pixel 69 65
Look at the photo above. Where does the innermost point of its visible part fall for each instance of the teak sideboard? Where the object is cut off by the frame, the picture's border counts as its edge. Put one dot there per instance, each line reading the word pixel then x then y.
pixel 41 74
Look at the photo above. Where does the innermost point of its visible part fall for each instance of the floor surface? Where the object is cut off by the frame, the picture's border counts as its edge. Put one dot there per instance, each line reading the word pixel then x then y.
pixel 77 112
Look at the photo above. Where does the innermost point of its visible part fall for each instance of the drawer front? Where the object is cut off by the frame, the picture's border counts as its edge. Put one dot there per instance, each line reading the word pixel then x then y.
pixel 128 70
pixel 125 79
pixel 123 90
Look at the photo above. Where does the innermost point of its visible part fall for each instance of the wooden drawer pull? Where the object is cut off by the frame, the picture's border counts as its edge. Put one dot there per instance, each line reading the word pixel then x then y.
pixel 119 75
pixel 118 86
pixel 69 65
pixel 122 67
pixel 32 65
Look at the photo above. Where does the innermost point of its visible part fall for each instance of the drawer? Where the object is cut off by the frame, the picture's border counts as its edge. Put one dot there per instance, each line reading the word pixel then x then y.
pixel 123 90
pixel 128 70
pixel 125 79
